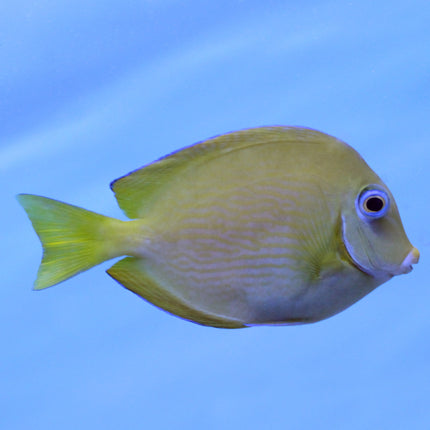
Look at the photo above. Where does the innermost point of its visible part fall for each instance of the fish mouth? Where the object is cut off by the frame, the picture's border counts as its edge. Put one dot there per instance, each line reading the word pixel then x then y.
pixel 369 263
pixel 406 266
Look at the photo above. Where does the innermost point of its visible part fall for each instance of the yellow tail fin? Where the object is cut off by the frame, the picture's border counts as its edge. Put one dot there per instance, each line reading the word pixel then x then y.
pixel 73 238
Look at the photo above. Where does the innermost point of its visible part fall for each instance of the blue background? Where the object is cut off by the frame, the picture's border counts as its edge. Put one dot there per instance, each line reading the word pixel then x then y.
pixel 90 90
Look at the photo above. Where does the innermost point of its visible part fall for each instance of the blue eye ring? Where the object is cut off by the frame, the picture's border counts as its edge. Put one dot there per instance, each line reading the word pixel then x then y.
pixel 373 202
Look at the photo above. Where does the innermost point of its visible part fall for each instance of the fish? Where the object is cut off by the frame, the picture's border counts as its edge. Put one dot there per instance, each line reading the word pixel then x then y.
pixel 271 225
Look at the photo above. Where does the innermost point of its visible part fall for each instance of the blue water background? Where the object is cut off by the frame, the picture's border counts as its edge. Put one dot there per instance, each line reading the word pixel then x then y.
pixel 92 90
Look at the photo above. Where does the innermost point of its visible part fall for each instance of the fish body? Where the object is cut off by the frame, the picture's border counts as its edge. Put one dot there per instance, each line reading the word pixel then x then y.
pixel 271 225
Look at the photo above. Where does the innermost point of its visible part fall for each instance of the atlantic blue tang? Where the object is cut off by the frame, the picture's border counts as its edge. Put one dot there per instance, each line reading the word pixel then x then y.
pixel 264 226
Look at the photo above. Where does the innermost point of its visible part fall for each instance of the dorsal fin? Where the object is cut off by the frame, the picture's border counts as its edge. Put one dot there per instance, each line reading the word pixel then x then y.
pixel 136 190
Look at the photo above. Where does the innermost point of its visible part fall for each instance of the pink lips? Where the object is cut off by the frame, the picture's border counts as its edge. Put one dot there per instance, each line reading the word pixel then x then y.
pixel 410 259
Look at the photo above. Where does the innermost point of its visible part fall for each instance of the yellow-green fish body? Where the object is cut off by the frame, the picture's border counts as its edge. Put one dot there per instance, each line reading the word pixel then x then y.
pixel 272 225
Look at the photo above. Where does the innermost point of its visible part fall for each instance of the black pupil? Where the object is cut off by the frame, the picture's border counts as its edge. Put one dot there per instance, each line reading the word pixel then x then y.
pixel 374 204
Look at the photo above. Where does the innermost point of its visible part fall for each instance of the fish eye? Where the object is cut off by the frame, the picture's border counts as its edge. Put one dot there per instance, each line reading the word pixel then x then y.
pixel 373 203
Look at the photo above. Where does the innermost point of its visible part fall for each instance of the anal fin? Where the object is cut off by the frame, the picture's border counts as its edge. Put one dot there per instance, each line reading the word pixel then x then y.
pixel 130 273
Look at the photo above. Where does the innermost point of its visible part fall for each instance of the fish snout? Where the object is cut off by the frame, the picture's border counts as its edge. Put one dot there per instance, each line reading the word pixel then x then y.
pixel 412 258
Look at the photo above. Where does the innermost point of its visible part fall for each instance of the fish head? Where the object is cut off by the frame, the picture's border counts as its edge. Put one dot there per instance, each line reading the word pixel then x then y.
pixel 373 233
